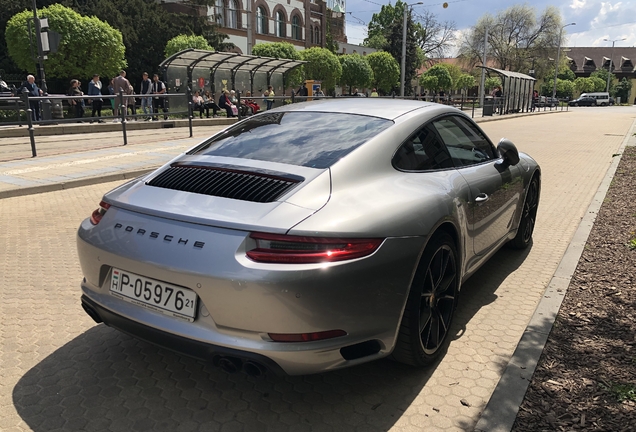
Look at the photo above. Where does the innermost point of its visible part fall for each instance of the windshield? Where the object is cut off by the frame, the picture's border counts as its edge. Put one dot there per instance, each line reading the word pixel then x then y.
pixel 311 139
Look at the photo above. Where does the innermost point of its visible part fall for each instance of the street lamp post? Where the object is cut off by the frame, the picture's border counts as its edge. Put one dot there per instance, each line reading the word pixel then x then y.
pixel 609 71
pixel 556 66
pixel 403 62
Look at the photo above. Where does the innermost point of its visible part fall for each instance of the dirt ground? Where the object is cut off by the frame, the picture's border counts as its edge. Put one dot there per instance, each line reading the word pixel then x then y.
pixel 586 376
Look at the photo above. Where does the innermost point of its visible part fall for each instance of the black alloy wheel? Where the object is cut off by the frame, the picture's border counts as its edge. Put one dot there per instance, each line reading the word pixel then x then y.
pixel 438 299
pixel 425 327
pixel 528 216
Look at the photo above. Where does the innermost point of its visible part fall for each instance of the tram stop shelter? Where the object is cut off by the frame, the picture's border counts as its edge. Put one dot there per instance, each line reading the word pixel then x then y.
pixel 216 71
pixel 517 90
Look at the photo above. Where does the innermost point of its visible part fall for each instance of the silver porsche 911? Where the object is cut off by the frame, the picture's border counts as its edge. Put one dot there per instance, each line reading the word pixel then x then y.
pixel 309 238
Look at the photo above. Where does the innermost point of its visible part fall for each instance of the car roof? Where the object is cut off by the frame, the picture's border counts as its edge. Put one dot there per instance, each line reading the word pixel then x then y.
pixel 389 109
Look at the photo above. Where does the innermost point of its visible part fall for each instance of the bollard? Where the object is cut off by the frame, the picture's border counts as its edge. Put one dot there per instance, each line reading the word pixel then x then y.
pixel 190 114
pixel 473 114
pixel 122 113
pixel 29 112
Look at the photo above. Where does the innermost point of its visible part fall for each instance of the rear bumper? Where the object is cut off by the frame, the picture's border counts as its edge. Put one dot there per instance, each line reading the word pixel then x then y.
pixel 193 348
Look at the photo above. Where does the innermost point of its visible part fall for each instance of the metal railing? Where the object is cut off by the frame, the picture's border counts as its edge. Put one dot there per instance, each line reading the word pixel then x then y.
pixel 24 104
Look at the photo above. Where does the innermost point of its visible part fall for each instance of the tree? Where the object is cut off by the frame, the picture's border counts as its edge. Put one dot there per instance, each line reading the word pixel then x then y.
pixel 281 50
pixel 356 71
pixel 429 82
pixel 432 37
pixel 330 43
pixel 583 85
pixel 601 74
pixel 622 90
pixel 491 83
pixel 454 71
pixel 181 42
pixel 564 88
pixel 599 84
pixel 77 54
pixel 386 72
pixel 516 37
pixel 465 82
pixel 414 57
pixel 444 79
pixel 322 65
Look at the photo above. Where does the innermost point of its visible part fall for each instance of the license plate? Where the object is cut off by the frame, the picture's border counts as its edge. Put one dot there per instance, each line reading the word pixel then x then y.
pixel 153 294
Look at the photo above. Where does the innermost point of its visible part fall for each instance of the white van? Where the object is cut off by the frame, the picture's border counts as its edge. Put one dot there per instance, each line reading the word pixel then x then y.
pixel 602 98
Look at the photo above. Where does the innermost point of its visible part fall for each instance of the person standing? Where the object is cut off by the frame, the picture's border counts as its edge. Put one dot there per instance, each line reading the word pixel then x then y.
pixel 120 84
pixel 158 88
pixel 270 97
pixel 95 89
pixel 145 89
pixel 374 93
pixel 76 102
pixel 32 89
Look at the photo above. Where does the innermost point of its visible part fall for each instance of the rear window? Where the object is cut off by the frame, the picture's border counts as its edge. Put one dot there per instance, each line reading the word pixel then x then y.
pixel 310 139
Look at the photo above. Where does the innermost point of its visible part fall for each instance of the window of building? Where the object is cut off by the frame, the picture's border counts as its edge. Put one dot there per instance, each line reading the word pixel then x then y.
pixel 261 20
pixel 280 24
pixel 232 14
pixel 296 30
pixel 317 36
pixel 220 13
pixel 311 34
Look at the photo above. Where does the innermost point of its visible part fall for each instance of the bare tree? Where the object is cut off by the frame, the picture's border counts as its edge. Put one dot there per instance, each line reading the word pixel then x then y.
pixel 517 37
pixel 435 38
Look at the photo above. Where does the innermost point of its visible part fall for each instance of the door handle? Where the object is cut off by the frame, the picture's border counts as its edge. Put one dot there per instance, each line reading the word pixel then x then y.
pixel 482 197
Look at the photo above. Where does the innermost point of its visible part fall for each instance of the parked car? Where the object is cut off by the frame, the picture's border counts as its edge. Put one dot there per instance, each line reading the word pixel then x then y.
pixel 547 101
pixel 583 101
pixel 311 237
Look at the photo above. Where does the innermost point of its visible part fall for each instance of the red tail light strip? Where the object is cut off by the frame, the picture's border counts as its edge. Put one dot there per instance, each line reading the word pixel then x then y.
pixel 99 213
pixel 284 249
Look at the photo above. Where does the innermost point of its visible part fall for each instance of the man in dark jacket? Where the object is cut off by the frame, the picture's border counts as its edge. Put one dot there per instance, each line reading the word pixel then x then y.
pixel 32 89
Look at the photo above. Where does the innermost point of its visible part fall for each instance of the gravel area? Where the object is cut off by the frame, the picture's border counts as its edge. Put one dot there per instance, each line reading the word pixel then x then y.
pixel 586 376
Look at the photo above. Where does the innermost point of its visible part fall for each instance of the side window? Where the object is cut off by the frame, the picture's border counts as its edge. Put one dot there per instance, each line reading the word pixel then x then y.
pixel 423 151
pixel 465 143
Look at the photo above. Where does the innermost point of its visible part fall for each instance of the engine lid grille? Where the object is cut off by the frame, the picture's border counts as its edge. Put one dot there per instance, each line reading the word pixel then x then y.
pixel 225 182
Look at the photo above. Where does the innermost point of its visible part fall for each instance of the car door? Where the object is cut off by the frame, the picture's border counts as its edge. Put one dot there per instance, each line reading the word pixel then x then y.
pixel 495 188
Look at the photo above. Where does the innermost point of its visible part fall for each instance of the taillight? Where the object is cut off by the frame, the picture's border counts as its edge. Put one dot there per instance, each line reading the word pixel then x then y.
pixel 306 337
pixel 277 248
pixel 99 213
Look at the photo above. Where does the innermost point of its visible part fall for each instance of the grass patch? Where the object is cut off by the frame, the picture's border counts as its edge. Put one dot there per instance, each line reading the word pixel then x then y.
pixel 621 392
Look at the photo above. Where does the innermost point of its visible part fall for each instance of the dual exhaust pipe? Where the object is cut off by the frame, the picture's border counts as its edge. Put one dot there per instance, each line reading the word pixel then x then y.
pixel 235 364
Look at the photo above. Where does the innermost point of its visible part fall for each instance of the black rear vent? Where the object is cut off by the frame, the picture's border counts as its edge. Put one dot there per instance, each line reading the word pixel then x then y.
pixel 224 182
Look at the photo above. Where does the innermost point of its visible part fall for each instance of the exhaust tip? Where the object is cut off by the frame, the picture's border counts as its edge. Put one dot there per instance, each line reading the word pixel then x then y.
pixel 230 364
pixel 254 369
pixel 92 313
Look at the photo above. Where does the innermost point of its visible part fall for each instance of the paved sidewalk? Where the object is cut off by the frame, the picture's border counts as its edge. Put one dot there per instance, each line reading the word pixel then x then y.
pixel 60 371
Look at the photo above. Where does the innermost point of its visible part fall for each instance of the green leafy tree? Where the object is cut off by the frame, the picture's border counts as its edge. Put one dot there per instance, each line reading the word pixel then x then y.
pixel 181 42
pixel 601 74
pixel 386 71
pixel 88 45
pixel 323 65
pixel 330 43
pixel 356 71
pixel 599 84
pixel 377 41
pixel 622 90
pixel 444 79
pixel 429 82
pixel 491 83
pixel 583 85
pixel 454 71
pixel 414 57
pixel 465 82
pixel 564 88
pixel 281 50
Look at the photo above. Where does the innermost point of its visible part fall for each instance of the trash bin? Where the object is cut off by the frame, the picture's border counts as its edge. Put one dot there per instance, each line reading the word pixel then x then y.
pixel 57 110
pixel 489 107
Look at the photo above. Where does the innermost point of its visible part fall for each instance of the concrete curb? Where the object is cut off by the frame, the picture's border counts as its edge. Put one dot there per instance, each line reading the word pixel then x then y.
pixel 501 410
pixel 87 181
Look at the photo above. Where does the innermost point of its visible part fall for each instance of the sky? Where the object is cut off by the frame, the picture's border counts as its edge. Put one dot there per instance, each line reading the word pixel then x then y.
pixel 595 20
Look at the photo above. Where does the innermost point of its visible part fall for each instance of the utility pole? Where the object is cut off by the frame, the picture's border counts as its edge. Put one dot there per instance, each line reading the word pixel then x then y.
pixel 484 59
pixel 250 42
pixel 609 71
pixel 38 41
pixel 403 62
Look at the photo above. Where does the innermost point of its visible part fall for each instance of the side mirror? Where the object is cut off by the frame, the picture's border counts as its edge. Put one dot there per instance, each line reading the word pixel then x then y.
pixel 508 152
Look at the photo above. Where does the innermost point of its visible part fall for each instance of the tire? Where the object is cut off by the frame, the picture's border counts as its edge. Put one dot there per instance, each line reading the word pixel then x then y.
pixel 425 326
pixel 523 239
pixel 576 104
pixel 603 104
